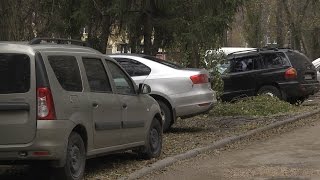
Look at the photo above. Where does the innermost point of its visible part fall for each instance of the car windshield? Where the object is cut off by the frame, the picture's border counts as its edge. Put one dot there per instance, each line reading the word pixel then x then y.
pixel 164 62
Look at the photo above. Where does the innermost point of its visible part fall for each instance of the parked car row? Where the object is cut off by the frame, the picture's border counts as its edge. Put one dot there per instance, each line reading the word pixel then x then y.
pixel 61 103
pixel 284 73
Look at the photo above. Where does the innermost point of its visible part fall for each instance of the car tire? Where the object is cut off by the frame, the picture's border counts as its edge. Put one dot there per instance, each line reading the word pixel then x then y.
pixel 153 146
pixel 271 91
pixel 75 159
pixel 166 115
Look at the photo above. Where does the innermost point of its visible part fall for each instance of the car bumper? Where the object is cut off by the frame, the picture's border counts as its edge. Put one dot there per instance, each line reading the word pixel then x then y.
pixel 49 144
pixel 192 103
pixel 296 89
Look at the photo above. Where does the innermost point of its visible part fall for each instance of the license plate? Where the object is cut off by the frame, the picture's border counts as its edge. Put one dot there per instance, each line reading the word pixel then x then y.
pixel 307 77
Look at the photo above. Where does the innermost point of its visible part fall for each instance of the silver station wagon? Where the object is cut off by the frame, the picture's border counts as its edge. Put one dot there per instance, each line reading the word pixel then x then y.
pixel 62 103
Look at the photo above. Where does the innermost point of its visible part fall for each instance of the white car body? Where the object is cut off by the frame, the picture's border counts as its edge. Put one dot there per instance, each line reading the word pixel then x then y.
pixel 173 86
pixel 316 64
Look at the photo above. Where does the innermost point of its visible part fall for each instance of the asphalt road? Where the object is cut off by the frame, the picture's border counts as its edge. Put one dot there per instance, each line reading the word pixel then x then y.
pixel 293 155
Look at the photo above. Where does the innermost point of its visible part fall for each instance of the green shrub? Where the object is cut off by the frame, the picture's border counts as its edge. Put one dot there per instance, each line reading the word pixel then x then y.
pixel 253 106
pixel 213 60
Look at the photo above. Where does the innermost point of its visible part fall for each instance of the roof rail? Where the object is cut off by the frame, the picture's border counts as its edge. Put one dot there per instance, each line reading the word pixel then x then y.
pixel 269 48
pixel 251 50
pixel 58 41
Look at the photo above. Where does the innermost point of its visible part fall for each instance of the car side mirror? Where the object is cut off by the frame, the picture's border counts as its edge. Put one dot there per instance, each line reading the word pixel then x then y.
pixel 144 88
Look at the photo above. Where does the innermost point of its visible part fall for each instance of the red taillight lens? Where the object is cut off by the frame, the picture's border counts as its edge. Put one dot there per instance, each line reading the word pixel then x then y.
pixel 290 73
pixel 199 79
pixel 45 104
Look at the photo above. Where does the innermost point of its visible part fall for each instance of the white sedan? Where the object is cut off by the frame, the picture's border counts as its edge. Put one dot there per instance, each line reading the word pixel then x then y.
pixel 180 92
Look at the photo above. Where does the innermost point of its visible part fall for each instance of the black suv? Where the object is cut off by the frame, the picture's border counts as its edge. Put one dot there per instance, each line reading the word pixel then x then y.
pixel 284 73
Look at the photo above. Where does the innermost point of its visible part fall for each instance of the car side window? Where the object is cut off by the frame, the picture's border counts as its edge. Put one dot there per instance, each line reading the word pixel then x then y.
pixel 133 67
pixel 67 72
pixel 245 64
pixel 122 82
pixel 274 60
pixel 96 74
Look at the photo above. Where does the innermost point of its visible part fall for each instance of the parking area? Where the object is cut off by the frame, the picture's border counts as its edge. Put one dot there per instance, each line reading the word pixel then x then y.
pixel 185 135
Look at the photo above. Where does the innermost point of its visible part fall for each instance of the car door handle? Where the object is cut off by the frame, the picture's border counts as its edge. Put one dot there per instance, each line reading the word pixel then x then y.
pixel 95 105
pixel 124 106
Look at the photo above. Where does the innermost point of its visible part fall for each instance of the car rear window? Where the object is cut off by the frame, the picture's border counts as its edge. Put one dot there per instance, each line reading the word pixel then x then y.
pixel 164 62
pixel 274 60
pixel 97 75
pixel 133 68
pixel 67 72
pixel 14 73
pixel 298 59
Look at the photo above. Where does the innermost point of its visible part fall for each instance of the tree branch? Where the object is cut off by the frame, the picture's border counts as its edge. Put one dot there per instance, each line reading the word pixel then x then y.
pixel 97 7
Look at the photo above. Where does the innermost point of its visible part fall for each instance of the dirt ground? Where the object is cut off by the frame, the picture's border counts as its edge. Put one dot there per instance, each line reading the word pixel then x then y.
pixel 292 155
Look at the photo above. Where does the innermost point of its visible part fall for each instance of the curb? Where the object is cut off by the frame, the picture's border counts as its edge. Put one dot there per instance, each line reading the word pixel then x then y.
pixel 219 144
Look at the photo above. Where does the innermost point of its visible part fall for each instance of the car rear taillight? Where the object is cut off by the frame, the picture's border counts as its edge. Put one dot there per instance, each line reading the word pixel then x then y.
pixel 199 79
pixel 290 73
pixel 46 109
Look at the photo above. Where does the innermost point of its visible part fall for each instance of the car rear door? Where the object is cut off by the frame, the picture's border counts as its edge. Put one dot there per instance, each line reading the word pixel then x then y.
pixel 105 105
pixel 274 68
pixel 134 110
pixel 17 98
pixel 240 81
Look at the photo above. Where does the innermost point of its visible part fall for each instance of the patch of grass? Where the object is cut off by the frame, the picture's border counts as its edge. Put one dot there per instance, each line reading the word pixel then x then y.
pixel 257 106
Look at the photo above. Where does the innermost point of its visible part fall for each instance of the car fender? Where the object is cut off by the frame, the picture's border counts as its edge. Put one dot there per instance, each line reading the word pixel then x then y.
pixel 166 97
pixel 79 119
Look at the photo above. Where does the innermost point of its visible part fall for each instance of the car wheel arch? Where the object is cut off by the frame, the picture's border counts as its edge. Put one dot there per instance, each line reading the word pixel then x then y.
pixel 81 130
pixel 282 94
pixel 163 99
pixel 159 118
pixel 269 84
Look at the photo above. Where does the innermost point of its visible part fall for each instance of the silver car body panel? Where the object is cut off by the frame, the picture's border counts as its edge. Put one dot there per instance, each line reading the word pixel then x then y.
pixel 176 86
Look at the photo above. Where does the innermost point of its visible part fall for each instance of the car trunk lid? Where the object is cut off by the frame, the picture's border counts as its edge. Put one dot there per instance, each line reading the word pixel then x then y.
pixel 17 99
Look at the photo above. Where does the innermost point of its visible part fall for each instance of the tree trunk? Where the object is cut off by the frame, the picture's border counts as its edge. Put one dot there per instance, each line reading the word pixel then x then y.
pixel 4 34
pixel 315 53
pixel 105 33
pixel 133 44
pixel 195 56
pixel 147 33
pixel 296 35
pixel 280 24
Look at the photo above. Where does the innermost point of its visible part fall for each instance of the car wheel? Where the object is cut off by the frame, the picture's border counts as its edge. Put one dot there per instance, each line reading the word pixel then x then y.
pixel 270 91
pixel 166 115
pixel 153 145
pixel 75 160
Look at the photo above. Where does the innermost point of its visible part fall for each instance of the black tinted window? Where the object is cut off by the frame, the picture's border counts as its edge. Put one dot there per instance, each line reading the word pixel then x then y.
pixel 121 80
pixel 245 64
pixel 134 68
pixel 298 59
pixel 274 60
pixel 14 73
pixel 67 72
pixel 97 76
